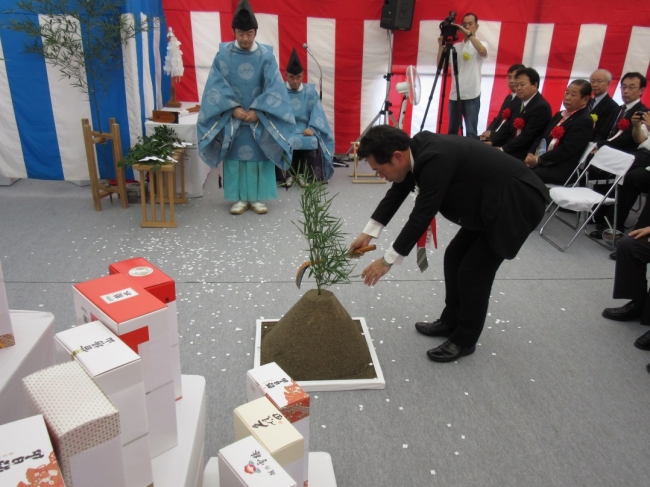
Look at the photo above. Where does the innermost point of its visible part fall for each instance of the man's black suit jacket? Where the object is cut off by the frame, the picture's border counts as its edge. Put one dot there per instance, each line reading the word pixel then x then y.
pixel 556 165
pixel 510 102
pixel 624 142
pixel 603 111
pixel 471 184
pixel 536 116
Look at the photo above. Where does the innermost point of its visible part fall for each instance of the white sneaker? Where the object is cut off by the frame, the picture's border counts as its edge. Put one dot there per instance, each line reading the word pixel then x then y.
pixel 289 182
pixel 259 208
pixel 302 181
pixel 239 207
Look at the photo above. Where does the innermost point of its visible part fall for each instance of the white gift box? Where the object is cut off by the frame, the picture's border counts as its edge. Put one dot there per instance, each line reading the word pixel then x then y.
pixel 26 454
pixel 6 331
pixel 163 287
pixel 287 396
pixel 84 425
pixel 141 321
pixel 117 370
pixel 246 463
pixel 262 419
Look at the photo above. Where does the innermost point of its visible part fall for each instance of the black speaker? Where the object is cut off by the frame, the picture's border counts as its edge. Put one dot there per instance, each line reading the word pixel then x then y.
pixel 397 14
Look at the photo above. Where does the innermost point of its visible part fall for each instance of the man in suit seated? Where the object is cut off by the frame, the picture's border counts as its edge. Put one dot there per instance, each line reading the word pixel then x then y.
pixel 494 198
pixel 556 153
pixel 601 104
pixel 507 107
pixel 630 281
pixel 617 133
pixel 529 121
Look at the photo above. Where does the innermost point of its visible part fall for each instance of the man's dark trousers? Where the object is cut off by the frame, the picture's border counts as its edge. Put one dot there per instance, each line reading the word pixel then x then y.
pixel 470 267
pixel 632 257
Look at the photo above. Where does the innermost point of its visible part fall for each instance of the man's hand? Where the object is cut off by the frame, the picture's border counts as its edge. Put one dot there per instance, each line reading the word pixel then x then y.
pixel 308 131
pixel 531 160
pixel 362 240
pixel 637 120
pixel 485 135
pixel 374 272
pixel 239 113
pixel 640 233
pixel 251 117
pixel 462 29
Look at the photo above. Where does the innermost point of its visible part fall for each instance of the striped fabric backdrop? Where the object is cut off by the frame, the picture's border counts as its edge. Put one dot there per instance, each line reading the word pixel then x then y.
pixel 41 118
pixel 563 41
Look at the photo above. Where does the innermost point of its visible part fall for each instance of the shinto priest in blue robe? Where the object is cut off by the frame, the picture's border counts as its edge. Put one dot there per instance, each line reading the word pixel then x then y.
pixel 251 80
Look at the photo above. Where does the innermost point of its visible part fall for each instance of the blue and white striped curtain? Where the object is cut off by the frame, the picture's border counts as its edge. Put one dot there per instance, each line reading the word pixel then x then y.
pixel 41 113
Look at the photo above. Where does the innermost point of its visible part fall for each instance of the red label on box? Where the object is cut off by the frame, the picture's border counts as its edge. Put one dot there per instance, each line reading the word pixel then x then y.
pixel 134 338
pixel 145 274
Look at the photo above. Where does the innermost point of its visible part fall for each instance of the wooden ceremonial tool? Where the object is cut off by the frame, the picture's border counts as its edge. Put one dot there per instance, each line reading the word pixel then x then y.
pixel 352 253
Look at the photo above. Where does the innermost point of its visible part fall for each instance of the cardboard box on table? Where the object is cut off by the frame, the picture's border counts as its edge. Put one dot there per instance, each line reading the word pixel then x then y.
pixel 271 381
pixel 262 419
pixel 26 455
pixel 6 331
pixel 246 463
pixel 163 287
pixel 84 425
pixel 117 370
pixel 141 321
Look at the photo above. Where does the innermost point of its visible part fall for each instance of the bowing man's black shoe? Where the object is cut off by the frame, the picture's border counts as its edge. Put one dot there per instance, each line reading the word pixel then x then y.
pixel 613 255
pixel 435 329
pixel 449 351
pixel 643 342
pixel 647 367
pixel 631 311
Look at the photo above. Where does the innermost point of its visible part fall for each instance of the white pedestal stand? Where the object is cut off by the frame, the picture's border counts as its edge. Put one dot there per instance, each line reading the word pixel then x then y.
pixel 182 465
pixel 33 351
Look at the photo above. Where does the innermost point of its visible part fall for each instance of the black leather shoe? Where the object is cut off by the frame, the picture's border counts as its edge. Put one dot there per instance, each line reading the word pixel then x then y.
pixel 597 234
pixel 643 342
pixel 435 329
pixel 613 255
pixel 631 311
pixel 647 367
pixel 449 351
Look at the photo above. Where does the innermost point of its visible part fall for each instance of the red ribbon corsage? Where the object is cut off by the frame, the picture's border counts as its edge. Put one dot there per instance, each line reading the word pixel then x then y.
pixel 623 124
pixel 557 132
pixel 505 114
pixel 518 123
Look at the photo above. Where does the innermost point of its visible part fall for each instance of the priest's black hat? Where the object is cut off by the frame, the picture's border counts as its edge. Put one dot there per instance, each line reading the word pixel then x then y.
pixel 244 18
pixel 294 66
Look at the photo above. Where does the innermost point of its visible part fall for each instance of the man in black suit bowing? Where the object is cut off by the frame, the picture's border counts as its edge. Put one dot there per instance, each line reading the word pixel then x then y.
pixel 508 107
pixel 601 104
pixel 565 138
pixel 494 198
pixel 527 123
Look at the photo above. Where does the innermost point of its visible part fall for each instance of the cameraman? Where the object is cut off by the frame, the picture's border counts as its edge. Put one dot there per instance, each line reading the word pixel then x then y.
pixel 470 61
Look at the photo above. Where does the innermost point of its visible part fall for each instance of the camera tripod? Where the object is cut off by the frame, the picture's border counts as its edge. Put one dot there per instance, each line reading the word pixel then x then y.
pixel 443 66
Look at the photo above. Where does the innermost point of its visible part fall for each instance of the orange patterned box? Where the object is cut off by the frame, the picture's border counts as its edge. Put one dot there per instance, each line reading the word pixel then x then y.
pixel 26 455
pixel 291 400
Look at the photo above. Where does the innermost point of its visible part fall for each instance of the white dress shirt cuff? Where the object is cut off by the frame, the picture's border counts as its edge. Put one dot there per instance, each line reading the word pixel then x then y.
pixel 373 228
pixel 393 257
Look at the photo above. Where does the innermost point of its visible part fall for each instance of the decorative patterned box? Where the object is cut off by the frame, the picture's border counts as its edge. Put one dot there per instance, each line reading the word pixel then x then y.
pixel 26 455
pixel 271 381
pixel 141 321
pixel 246 463
pixel 6 331
pixel 117 370
pixel 84 425
pixel 163 287
pixel 262 419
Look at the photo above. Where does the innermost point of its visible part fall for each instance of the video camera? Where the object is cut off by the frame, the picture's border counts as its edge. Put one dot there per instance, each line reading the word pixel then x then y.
pixel 447 30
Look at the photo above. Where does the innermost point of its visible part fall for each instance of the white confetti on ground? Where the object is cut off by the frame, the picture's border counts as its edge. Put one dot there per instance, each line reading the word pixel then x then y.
pixel 405 445
pixel 433 472
pixel 323 426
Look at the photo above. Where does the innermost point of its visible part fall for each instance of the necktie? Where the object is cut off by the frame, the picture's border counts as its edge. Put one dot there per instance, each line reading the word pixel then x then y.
pixel 614 128
pixel 591 104
pixel 429 233
pixel 522 107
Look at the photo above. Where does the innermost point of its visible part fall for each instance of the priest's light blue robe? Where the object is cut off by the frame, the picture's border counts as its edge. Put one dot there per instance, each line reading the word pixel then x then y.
pixel 308 112
pixel 251 80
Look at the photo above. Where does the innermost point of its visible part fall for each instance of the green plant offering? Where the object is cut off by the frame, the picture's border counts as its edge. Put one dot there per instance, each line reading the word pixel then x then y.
pixel 154 150
pixel 327 252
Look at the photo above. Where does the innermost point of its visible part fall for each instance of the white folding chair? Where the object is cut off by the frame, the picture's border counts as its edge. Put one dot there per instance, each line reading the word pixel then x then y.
pixel 583 199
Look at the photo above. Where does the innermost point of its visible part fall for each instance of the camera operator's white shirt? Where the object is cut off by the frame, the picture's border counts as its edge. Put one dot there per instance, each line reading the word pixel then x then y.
pixel 469 71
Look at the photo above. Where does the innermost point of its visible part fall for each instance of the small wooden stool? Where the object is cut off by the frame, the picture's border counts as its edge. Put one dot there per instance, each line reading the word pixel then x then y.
pixel 165 177
pixel 370 178
pixel 100 190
